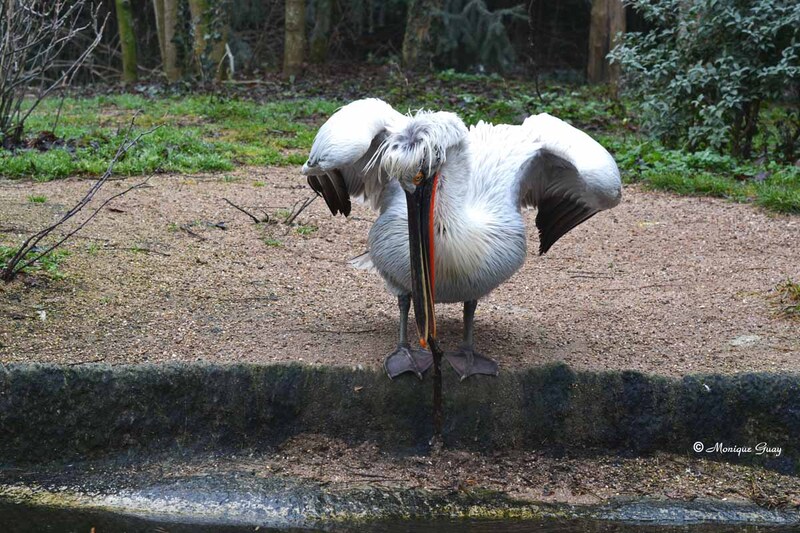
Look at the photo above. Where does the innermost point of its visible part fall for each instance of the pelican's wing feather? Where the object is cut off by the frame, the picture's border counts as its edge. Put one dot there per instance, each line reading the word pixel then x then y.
pixel 569 177
pixel 343 159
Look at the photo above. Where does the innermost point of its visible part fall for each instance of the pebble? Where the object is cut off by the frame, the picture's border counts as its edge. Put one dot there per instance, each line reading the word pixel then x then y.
pixel 745 340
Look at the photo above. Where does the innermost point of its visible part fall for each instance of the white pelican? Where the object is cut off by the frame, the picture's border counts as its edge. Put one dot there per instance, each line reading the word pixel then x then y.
pixel 449 200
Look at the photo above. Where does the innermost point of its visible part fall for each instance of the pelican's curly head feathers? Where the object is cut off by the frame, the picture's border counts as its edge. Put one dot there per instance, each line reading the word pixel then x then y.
pixel 420 144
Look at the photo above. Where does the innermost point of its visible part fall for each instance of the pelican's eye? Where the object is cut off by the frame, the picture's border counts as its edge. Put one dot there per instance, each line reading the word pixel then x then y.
pixel 418 178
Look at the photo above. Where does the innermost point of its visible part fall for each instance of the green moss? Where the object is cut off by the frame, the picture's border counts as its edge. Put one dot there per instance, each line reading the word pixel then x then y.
pixel 33 495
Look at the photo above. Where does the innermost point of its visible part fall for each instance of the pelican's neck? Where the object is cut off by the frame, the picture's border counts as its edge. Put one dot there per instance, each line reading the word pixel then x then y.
pixel 454 178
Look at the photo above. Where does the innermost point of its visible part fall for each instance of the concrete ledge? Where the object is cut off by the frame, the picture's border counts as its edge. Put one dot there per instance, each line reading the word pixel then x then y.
pixel 57 413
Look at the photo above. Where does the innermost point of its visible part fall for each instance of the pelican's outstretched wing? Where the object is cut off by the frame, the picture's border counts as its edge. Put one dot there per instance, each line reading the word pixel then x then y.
pixel 341 163
pixel 569 177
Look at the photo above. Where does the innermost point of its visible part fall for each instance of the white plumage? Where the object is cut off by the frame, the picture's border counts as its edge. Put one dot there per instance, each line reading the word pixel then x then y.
pixel 487 173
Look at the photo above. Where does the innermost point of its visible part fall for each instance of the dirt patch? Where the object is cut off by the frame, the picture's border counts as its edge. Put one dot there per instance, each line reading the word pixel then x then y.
pixel 661 284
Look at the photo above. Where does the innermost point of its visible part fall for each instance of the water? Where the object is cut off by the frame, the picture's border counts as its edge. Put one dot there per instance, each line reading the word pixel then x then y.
pixel 25 519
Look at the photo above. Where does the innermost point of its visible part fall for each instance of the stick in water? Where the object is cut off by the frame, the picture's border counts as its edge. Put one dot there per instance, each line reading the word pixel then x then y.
pixel 438 414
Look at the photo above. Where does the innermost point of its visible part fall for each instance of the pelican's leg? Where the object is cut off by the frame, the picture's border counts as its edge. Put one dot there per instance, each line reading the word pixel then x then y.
pixel 466 361
pixel 404 359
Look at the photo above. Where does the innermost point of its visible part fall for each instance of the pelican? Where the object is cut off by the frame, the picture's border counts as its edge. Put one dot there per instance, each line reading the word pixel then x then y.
pixel 449 201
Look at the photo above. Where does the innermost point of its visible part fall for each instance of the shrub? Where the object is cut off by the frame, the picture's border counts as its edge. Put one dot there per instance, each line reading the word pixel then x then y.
pixel 707 67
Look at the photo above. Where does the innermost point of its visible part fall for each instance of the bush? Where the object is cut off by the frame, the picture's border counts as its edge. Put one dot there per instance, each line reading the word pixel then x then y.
pixel 706 69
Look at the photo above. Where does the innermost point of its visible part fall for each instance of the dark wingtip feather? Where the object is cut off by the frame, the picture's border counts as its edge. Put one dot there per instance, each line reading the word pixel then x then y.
pixel 557 216
pixel 333 190
pixel 341 191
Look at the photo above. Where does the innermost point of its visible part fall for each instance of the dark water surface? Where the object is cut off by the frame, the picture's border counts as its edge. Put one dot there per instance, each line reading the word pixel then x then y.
pixel 25 519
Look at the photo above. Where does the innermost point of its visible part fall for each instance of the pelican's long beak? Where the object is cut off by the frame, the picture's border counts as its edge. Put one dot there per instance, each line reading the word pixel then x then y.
pixel 420 232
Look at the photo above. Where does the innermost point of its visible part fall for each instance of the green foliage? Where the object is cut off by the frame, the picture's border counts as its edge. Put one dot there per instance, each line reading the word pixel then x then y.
pixel 473 35
pixel 37 199
pixel 495 99
pixel 706 173
pixel 706 68
pixel 48 265
pixel 207 133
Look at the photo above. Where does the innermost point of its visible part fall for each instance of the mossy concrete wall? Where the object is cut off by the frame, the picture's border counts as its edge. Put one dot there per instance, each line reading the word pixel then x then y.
pixel 60 413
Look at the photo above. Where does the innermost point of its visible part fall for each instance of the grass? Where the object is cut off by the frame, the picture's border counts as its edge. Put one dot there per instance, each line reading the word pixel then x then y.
pixel 282 214
pixel 37 199
pixel 197 133
pixel 208 133
pixel 773 186
pixel 48 265
pixel 306 229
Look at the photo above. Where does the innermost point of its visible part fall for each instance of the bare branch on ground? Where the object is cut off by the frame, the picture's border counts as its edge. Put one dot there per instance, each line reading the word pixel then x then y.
pixel 18 262
pixel 297 210
pixel 256 220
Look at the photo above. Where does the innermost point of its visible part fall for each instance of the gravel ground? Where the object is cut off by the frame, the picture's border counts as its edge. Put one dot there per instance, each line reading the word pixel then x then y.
pixel 532 475
pixel 661 284
pixel 584 478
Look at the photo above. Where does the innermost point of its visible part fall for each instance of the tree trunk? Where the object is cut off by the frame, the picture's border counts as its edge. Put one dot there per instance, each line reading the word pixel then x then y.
pixel 127 39
pixel 607 25
pixel 295 37
pixel 158 8
pixel 209 55
pixel 318 45
pixel 745 129
pixel 418 40
pixel 170 57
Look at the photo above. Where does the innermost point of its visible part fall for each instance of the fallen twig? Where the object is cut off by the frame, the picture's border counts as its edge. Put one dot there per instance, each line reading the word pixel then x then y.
pixel 670 283
pixel 185 227
pixel 139 249
pixel 296 212
pixel 248 213
pixel 76 363
pixel 336 331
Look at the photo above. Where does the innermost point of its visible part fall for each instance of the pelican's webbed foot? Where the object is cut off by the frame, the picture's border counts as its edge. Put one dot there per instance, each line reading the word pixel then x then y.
pixel 404 359
pixel 467 362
